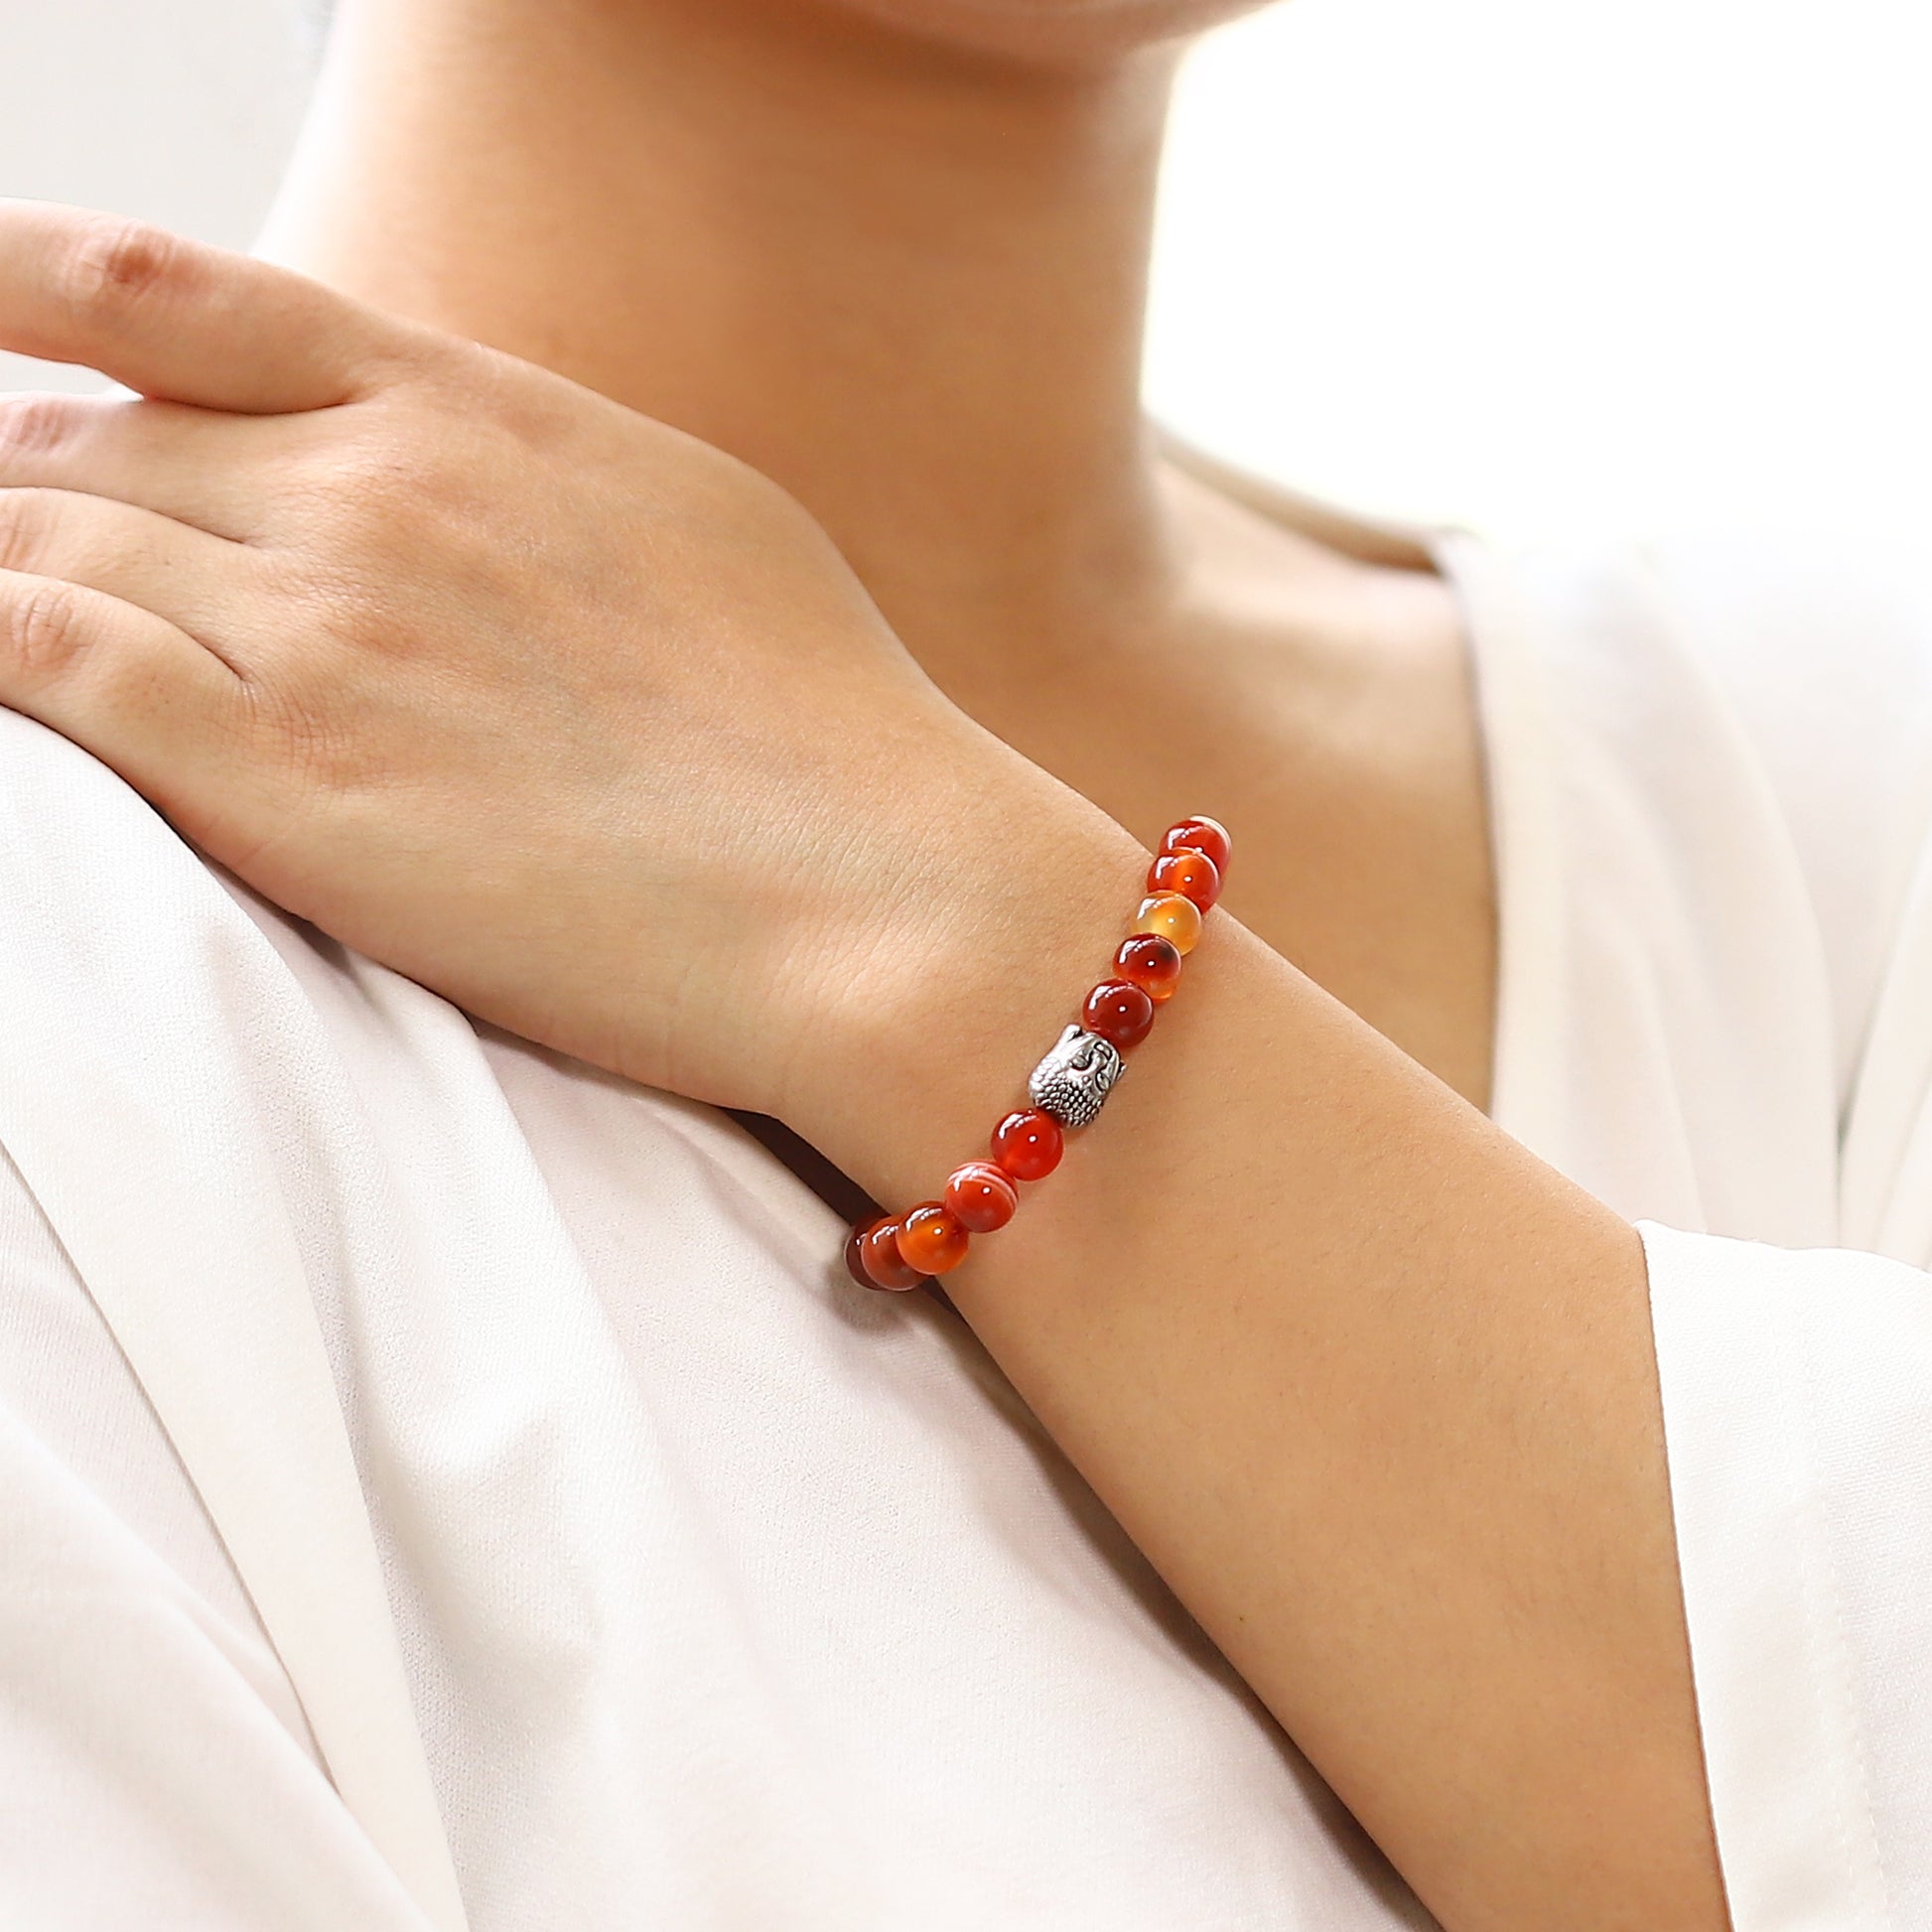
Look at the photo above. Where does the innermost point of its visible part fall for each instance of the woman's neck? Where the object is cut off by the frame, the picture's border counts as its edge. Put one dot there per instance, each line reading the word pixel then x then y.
pixel 905 283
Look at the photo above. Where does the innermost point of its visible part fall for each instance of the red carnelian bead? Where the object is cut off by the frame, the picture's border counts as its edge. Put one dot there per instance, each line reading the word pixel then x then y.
pixel 879 1257
pixel 854 1260
pixel 932 1239
pixel 1152 963
pixel 1206 835
pixel 1194 874
pixel 980 1197
pixel 1028 1144
pixel 1117 1010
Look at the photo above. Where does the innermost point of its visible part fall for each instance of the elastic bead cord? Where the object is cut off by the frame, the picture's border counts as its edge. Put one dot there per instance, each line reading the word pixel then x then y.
pixel 1071 1085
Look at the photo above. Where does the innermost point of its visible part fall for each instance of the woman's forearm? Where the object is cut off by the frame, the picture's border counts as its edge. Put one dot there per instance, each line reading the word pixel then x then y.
pixel 1372 1387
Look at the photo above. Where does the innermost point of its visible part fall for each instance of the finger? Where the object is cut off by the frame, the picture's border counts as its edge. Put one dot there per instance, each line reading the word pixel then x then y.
pixel 139 694
pixel 214 590
pixel 202 467
pixel 174 318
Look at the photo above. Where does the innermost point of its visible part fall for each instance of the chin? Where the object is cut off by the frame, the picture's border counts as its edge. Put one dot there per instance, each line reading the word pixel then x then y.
pixel 1052 28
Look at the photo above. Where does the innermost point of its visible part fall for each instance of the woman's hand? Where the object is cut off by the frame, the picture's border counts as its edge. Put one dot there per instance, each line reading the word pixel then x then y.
pixel 551 707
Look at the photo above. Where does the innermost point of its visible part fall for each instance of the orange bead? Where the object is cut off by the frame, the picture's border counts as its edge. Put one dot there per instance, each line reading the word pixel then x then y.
pixel 1175 918
pixel 1194 874
pixel 1028 1144
pixel 980 1197
pixel 1120 1012
pixel 1152 963
pixel 881 1265
pixel 1206 835
pixel 932 1239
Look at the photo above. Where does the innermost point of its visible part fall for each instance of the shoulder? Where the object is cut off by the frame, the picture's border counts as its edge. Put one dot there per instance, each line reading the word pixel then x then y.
pixel 69 825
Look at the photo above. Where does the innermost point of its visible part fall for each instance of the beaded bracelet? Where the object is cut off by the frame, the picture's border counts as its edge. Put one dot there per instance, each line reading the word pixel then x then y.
pixel 1071 1085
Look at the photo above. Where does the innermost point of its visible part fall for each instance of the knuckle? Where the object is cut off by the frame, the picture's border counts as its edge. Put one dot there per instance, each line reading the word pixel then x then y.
pixel 36 425
pixel 383 496
pixel 341 601
pixel 478 385
pixel 309 735
pixel 368 474
pixel 430 358
pixel 464 397
pixel 46 627
pixel 115 264
pixel 383 475
pixel 23 528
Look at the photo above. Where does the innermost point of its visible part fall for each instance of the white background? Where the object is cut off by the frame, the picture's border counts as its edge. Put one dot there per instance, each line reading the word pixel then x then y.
pixel 1526 263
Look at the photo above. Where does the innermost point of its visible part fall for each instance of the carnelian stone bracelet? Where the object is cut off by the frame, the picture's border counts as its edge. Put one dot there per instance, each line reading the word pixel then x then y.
pixel 1067 1088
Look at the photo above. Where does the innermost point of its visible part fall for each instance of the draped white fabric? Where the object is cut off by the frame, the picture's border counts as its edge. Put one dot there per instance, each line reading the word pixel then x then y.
pixel 442 1486
pixel 1712 770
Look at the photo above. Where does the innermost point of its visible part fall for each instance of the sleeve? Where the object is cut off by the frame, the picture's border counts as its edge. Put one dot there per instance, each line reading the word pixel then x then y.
pixel 1797 1383
pixel 1797 1390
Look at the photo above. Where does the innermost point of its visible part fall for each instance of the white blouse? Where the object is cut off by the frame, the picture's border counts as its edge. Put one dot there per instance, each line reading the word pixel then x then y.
pixel 442 1486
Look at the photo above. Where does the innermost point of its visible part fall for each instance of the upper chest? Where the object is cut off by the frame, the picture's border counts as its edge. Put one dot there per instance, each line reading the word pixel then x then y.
pixel 1338 738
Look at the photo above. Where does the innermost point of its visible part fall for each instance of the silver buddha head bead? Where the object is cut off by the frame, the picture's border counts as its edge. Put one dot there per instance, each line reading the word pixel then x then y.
pixel 1074 1079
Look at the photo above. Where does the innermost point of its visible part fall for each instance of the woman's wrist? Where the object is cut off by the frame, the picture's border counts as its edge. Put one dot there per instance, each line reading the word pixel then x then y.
pixel 1007 903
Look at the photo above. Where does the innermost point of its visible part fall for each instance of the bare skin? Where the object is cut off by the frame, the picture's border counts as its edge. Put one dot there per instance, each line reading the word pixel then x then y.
pixel 1372 1386
pixel 1132 630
